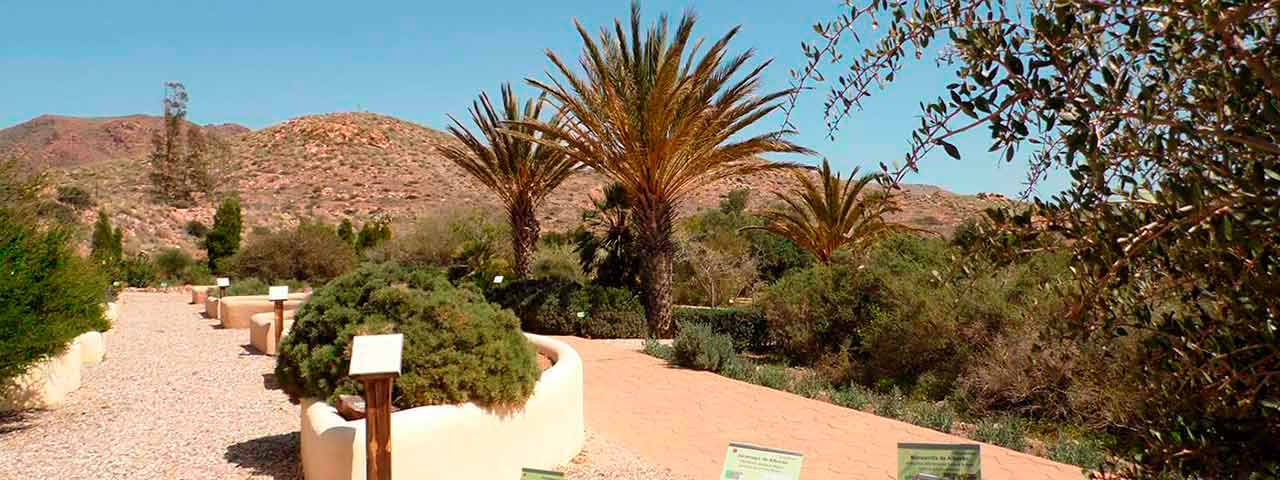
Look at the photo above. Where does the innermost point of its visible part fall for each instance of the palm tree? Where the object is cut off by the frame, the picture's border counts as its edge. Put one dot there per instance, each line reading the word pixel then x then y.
pixel 520 170
pixel 651 114
pixel 822 218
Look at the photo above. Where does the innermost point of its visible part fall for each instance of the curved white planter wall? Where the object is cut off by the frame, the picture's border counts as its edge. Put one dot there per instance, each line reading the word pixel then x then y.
pixel 459 441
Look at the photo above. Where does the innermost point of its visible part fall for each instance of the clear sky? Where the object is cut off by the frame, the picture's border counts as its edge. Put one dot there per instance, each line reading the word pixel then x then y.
pixel 257 63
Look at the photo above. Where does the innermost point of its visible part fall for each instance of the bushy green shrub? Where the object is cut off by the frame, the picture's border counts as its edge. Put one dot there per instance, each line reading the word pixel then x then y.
pixel 658 349
pixel 137 271
pixel 172 263
pixel 699 348
pixel 552 307
pixel 818 310
pixel 247 286
pixel 1006 431
pixel 49 297
pixel 854 396
pixel 772 376
pixel 223 240
pixel 196 229
pixel 475 242
pixel 312 252
pixel 1088 453
pixel 934 415
pixel 556 262
pixel 747 326
pixel 74 197
pixel 458 347
pixel 809 385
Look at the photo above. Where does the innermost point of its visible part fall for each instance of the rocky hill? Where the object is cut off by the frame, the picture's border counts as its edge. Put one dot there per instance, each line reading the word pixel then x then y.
pixel 363 165
pixel 59 142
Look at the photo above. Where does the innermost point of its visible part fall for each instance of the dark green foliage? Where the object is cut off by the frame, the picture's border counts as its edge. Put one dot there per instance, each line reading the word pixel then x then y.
pixel 173 263
pixel 223 239
pixel 372 234
pixel 699 348
pixel 346 231
pixel 746 326
pixel 552 307
pixel 772 376
pixel 657 349
pixel 196 229
pixel 310 252
pixel 775 256
pixel 74 197
pixel 458 348
pixel 1089 453
pixel 49 297
pixel 137 271
pixel 106 244
pixel 607 246
pixel 818 310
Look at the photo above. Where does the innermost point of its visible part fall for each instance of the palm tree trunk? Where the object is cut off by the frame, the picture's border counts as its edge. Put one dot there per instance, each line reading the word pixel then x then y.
pixel 658 250
pixel 524 236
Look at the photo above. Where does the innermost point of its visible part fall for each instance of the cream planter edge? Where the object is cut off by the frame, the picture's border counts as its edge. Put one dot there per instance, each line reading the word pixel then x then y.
pixel 237 312
pixel 460 441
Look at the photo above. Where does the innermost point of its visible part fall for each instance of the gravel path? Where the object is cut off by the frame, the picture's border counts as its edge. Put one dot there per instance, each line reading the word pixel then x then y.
pixel 179 398
pixel 175 398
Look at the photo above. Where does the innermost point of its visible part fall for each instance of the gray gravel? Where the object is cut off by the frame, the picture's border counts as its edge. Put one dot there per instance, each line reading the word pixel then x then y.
pixel 175 398
pixel 179 398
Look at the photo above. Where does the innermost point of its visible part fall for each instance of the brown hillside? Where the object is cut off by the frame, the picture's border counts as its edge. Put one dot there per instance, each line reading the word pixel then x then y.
pixel 362 165
pixel 56 141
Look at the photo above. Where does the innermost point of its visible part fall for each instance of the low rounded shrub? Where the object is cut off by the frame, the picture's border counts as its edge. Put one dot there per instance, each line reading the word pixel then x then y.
pixel 563 307
pixel 458 347
pixel 746 326
pixel 818 311
pixel 311 251
pixel 49 295
pixel 699 348
pixel 247 286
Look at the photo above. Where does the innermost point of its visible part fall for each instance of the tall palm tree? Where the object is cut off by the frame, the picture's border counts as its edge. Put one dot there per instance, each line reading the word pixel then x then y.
pixel 654 116
pixel 520 170
pixel 827 215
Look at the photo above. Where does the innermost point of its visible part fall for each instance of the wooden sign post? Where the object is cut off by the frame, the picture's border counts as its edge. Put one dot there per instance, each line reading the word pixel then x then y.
pixel 223 283
pixel 375 362
pixel 278 295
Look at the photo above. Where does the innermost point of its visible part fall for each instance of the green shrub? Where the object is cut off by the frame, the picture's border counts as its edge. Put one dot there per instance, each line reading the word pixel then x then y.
pixel 172 263
pixel 196 229
pixel 892 404
pixel 747 326
pixel 772 376
pixel 312 252
pixel 854 396
pixel 552 307
pixel 1006 431
pixel 809 384
pixel 472 241
pixel 458 347
pixel 557 262
pixel 1087 452
pixel 739 369
pixel 223 240
pixel 818 310
pixel 935 415
pixel 74 196
pixel 658 349
pixel 138 271
pixel 699 348
pixel 247 286
pixel 49 295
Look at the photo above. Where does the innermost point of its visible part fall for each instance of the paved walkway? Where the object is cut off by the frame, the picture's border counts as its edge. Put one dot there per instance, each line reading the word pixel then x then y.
pixel 683 420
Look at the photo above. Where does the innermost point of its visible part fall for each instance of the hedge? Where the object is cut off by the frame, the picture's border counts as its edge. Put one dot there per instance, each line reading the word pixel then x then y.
pixel 746 326
pixel 561 307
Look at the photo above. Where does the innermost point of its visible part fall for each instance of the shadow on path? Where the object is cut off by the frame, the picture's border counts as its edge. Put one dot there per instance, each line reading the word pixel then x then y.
pixel 275 456
pixel 16 421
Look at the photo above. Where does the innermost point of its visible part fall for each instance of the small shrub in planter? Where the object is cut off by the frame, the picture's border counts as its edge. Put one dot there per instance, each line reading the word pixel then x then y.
pixel 746 326
pixel 458 347
pixel 699 348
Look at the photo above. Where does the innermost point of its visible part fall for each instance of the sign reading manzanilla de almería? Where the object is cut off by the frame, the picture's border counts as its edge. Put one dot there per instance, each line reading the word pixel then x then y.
pixel 535 474
pixel 936 461
pixel 748 462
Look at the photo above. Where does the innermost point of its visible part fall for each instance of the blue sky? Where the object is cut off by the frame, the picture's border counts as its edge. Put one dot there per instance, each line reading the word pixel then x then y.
pixel 261 62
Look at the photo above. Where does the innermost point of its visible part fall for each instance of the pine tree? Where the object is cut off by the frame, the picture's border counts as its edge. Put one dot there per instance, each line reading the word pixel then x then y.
pixel 224 238
pixel 346 231
pixel 106 245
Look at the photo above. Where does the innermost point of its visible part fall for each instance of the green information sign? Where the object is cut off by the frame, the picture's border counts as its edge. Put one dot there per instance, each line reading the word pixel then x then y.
pixel 746 462
pixel 535 474
pixel 934 461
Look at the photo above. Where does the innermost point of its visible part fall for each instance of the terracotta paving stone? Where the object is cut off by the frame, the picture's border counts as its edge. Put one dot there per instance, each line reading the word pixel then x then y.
pixel 682 420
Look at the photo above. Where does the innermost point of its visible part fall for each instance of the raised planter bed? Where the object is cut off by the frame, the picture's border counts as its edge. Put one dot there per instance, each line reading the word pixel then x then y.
pixel 236 312
pixel 460 441
pixel 200 293
pixel 262 331
pixel 46 384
